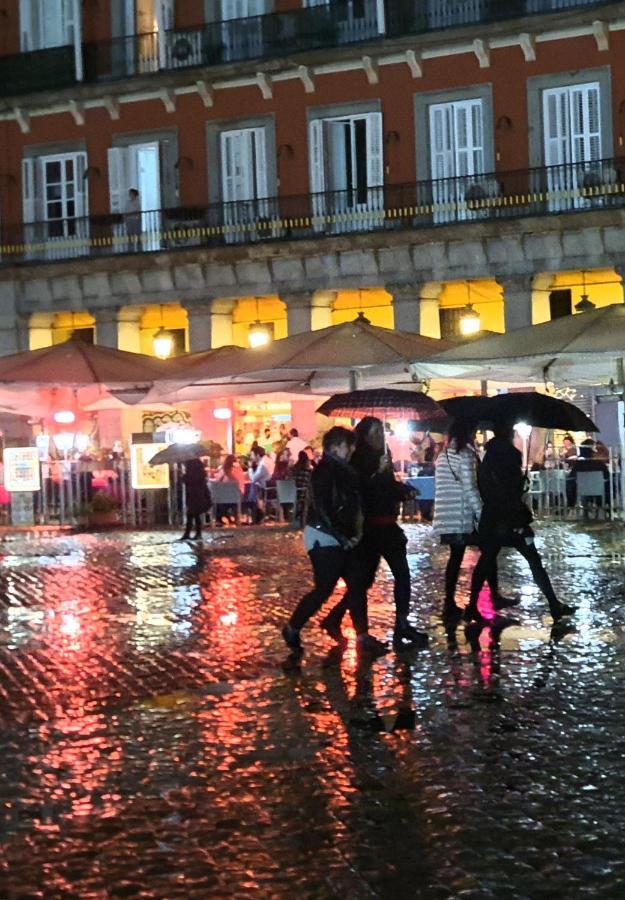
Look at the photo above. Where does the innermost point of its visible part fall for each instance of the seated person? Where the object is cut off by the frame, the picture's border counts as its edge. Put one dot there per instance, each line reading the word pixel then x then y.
pixel 588 463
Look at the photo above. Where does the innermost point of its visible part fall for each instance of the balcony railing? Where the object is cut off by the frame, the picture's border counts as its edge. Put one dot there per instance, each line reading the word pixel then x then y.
pixel 420 16
pixel 338 23
pixel 575 187
pixel 38 70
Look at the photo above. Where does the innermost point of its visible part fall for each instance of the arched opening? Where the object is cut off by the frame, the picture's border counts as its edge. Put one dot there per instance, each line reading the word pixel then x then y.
pixel 48 329
pixel 269 311
pixel 375 303
pixel 170 317
pixel 484 296
pixel 558 294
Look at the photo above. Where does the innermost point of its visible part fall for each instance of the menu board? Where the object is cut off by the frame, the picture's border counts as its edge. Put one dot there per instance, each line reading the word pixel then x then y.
pixel 21 469
pixel 145 477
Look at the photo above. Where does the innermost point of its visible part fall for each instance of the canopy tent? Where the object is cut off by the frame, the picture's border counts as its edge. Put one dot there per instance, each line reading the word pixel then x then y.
pixel 36 381
pixel 582 349
pixel 316 362
pixel 77 364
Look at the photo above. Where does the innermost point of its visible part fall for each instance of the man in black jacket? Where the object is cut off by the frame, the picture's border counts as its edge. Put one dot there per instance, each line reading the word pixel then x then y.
pixel 382 495
pixel 505 521
pixel 332 538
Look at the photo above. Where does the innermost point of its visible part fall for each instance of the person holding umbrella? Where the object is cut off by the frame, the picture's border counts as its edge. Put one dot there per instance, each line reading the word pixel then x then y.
pixel 332 538
pixel 457 513
pixel 198 497
pixel 505 521
pixel 383 537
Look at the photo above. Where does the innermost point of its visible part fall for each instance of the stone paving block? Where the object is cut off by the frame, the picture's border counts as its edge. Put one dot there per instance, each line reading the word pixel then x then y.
pixel 157 739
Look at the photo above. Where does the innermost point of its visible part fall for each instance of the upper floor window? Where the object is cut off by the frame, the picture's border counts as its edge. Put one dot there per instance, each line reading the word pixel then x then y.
pixel 55 202
pixel 346 167
pixel 458 154
pixel 354 20
pixel 135 193
pixel 48 23
pixel 572 124
pixel 573 144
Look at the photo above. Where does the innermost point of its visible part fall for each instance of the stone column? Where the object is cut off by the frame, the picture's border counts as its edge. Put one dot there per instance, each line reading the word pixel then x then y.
pixel 200 326
pixel 517 299
pixel 221 322
pixel 299 307
pixel 129 328
pixel 107 327
pixel 406 306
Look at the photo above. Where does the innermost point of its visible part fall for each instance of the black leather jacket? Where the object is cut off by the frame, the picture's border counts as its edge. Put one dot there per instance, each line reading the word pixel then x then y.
pixel 335 505
pixel 381 492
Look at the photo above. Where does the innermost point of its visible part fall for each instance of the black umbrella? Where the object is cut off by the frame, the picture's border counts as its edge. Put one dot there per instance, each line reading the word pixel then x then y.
pixel 387 403
pixel 538 410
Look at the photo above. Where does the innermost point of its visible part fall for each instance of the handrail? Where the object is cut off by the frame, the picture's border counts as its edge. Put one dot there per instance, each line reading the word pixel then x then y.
pixel 271 35
pixel 575 187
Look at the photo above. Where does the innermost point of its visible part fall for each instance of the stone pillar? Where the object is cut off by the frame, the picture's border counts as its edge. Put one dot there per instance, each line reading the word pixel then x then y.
pixel 107 327
pixel 221 322
pixel 517 299
pixel 200 326
pixel 129 328
pixel 299 308
pixel 39 331
pixel 406 306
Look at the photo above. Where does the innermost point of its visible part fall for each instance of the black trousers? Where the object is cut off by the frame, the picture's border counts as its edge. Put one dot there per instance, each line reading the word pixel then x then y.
pixel 388 542
pixel 191 522
pixel 490 547
pixel 452 573
pixel 329 564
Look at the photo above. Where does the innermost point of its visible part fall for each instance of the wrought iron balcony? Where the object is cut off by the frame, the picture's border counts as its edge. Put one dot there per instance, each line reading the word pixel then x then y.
pixel 577 187
pixel 273 35
pixel 38 70
pixel 421 16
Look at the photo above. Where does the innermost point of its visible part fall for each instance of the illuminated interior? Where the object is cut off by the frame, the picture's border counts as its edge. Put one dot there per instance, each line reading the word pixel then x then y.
pixel 375 303
pixel 602 286
pixel 170 316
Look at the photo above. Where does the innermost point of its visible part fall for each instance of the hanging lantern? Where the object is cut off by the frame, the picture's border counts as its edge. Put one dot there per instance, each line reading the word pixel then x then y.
pixel 163 344
pixel 469 321
pixel 258 335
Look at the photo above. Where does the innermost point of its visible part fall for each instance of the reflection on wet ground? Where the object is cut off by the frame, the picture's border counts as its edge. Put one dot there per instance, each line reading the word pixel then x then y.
pixel 158 742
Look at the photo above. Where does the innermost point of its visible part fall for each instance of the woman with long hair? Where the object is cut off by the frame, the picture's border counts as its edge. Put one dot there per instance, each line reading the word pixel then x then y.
pixel 457 513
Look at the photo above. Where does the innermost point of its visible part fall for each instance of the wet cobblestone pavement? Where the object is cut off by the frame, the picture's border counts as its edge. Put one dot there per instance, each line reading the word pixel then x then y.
pixel 157 742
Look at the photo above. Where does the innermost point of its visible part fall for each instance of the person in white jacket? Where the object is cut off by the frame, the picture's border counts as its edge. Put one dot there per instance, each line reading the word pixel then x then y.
pixel 457 511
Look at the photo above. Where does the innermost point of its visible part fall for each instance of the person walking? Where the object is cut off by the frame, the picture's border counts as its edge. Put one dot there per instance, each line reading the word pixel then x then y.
pixel 457 514
pixel 198 497
pixel 383 537
pixel 332 538
pixel 505 521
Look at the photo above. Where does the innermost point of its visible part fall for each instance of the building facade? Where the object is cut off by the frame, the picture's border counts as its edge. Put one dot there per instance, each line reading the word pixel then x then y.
pixel 204 166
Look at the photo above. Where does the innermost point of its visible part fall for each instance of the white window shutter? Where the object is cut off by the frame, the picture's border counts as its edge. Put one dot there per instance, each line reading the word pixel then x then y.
pixel 82 194
pixel 317 161
pixel 118 185
pixel 29 203
pixel 27 35
pixel 477 136
pixel 585 123
pixel 555 126
pixel 375 154
pixel 260 162
pixel 441 140
pixel 227 167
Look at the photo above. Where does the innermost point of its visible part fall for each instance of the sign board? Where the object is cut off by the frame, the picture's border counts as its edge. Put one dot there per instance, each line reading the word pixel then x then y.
pixel 145 477
pixel 21 469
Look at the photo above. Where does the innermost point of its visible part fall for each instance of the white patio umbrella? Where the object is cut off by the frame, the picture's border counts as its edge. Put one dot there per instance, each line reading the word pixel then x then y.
pixel 326 361
pixel 583 349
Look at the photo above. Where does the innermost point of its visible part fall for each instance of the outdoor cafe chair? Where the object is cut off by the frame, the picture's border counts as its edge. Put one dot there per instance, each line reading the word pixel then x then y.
pixel 591 487
pixel 225 493
pixel 286 493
